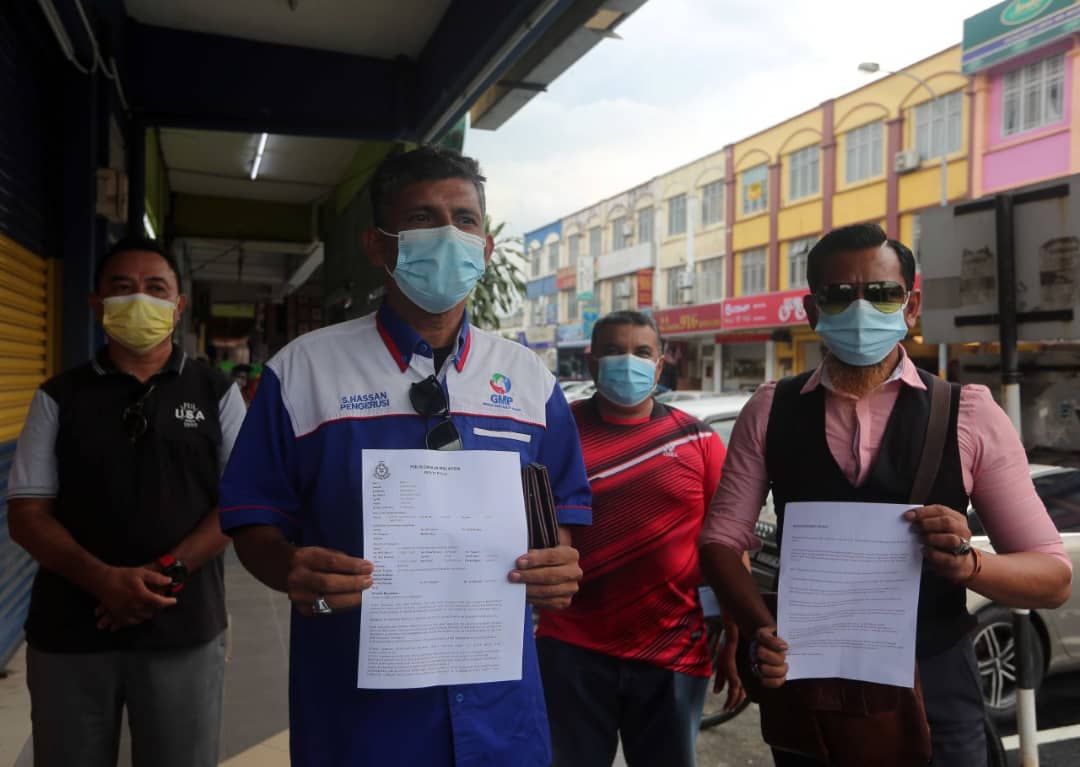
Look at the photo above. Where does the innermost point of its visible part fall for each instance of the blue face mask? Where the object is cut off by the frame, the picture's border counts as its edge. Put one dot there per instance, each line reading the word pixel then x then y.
pixel 861 335
pixel 438 268
pixel 625 379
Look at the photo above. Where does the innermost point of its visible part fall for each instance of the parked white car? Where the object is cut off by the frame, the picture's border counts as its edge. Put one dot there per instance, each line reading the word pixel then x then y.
pixel 1058 631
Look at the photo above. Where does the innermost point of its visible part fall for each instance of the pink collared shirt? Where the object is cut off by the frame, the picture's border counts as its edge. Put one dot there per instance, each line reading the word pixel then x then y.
pixel 992 458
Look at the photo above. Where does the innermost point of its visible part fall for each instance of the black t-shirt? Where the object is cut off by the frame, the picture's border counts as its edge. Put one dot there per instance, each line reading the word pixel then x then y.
pixel 129 501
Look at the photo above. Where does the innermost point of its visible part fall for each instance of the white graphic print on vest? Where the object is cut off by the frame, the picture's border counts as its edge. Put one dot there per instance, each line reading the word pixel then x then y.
pixel 189 413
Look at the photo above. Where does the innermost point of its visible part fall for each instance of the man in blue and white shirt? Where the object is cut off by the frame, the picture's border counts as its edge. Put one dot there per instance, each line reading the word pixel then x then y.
pixel 415 374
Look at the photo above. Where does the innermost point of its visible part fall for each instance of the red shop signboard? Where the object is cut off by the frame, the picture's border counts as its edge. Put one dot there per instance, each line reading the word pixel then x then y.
pixel 765 311
pixel 691 319
pixel 644 288
pixel 566 278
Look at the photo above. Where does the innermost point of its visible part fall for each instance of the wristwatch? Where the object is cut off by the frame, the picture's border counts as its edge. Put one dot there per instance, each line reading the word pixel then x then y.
pixel 176 570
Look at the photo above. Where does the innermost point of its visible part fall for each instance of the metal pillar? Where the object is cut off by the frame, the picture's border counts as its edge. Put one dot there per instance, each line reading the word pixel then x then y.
pixel 1006 257
pixel 82 236
pixel 1026 725
pixel 136 171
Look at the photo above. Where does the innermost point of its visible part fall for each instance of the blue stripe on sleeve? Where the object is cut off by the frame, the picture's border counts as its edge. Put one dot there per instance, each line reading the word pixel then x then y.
pixel 561 453
pixel 259 486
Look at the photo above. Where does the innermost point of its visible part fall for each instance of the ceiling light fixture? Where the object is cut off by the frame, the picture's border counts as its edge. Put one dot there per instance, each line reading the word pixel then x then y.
pixel 258 156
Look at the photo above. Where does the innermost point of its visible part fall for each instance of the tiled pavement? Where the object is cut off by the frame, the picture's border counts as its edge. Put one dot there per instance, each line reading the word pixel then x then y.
pixel 255 717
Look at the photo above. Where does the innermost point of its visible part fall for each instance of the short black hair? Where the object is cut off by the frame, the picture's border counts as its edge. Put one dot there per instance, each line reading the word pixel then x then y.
pixel 135 243
pixel 856 237
pixel 425 163
pixel 626 317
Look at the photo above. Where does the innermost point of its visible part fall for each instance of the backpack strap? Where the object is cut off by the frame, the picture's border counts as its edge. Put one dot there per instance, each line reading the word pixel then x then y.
pixel 934 443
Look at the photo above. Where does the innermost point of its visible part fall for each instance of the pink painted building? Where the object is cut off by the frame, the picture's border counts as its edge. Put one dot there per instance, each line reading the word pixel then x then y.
pixel 1023 57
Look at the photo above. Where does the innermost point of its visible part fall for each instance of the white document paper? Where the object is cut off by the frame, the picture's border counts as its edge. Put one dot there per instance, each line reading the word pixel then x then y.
pixel 849 592
pixel 443 529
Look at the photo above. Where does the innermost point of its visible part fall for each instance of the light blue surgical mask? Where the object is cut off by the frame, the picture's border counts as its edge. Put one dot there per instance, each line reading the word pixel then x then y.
pixel 437 268
pixel 626 379
pixel 861 335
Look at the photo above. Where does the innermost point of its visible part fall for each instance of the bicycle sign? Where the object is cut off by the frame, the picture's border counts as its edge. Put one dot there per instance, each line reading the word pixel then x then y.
pixel 792 307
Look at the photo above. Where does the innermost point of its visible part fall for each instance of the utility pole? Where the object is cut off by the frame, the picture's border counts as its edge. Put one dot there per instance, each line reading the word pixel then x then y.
pixel 1005 223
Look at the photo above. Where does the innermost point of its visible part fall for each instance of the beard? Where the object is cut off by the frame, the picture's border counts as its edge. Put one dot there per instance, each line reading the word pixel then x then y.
pixel 859 381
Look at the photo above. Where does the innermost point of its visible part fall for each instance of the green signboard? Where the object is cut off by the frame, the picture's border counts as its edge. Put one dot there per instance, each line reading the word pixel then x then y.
pixel 1013 28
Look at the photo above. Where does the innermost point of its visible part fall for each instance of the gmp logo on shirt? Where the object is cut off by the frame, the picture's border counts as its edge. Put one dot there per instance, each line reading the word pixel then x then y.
pixel 500 384
pixel 369 401
pixel 189 413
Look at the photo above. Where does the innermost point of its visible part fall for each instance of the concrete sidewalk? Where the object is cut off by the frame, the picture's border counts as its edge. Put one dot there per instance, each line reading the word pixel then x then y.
pixel 255 716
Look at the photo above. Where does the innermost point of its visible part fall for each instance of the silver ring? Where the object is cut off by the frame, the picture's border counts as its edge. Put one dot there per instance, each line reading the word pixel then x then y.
pixel 755 669
pixel 963 548
pixel 321 607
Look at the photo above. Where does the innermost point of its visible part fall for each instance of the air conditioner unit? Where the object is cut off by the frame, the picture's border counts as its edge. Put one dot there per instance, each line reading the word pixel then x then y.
pixel 622 290
pixel 906 161
pixel 627 229
pixel 684 280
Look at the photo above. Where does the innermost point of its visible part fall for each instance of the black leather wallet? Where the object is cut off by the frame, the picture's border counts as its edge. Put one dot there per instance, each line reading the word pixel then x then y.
pixel 539 507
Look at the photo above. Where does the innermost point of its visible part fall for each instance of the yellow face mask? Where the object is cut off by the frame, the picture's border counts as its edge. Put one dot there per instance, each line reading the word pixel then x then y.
pixel 138 322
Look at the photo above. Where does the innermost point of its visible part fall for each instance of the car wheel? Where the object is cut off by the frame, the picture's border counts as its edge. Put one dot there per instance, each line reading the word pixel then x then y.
pixel 995 650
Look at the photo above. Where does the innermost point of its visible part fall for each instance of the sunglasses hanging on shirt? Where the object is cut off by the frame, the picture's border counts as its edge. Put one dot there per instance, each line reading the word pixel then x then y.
pixel 428 399
pixel 133 417
pixel 887 297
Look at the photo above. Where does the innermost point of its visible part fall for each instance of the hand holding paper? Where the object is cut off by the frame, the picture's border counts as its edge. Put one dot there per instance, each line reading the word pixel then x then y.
pixel 551 576
pixel 333 575
pixel 849 591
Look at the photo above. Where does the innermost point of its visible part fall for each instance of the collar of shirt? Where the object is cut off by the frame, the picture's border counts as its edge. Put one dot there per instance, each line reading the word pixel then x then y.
pixel 103 364
pixel 905 372
pixel 402 342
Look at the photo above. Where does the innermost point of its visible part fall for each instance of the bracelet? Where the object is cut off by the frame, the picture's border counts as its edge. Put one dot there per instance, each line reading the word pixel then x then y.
pixel 977 556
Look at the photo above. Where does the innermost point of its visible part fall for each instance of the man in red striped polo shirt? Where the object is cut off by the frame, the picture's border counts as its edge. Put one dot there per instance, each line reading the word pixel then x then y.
pixel 629 656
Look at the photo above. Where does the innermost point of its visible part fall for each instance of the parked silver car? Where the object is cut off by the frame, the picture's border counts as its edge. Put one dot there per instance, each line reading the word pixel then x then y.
pixel 1058 631
pixel 719 411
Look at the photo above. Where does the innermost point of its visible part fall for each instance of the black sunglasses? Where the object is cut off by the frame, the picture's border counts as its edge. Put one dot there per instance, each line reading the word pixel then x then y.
pixel 428 399
pixel 886 296
pixel 133 417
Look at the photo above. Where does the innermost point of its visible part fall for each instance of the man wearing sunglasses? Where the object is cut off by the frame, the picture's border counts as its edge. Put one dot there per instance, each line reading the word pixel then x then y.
pixel 114 493
pixel 852 430
pixel 414 374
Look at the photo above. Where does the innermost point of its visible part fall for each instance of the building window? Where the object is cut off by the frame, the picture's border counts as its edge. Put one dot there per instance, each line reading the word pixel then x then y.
pixel 553 256
pixel 645 225
pixel 676 215
pixel 623 289
pixel 710 280
pixel 573 247
pixel 1032 96
pixel 620 230
pixel 539 311
pixel 673 285
pixel 804 178
pixel 712 203
pixel 596 236
pixel 937 125
pixel 797 252
pixel 753 272
pixel 916 235
pixel 535 262
pixel 755 190
pixel 570 299
pixel 864 149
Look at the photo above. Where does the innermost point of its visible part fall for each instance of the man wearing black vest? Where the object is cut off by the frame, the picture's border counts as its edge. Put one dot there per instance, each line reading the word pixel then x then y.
pixel 114 492
pixel 853 430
